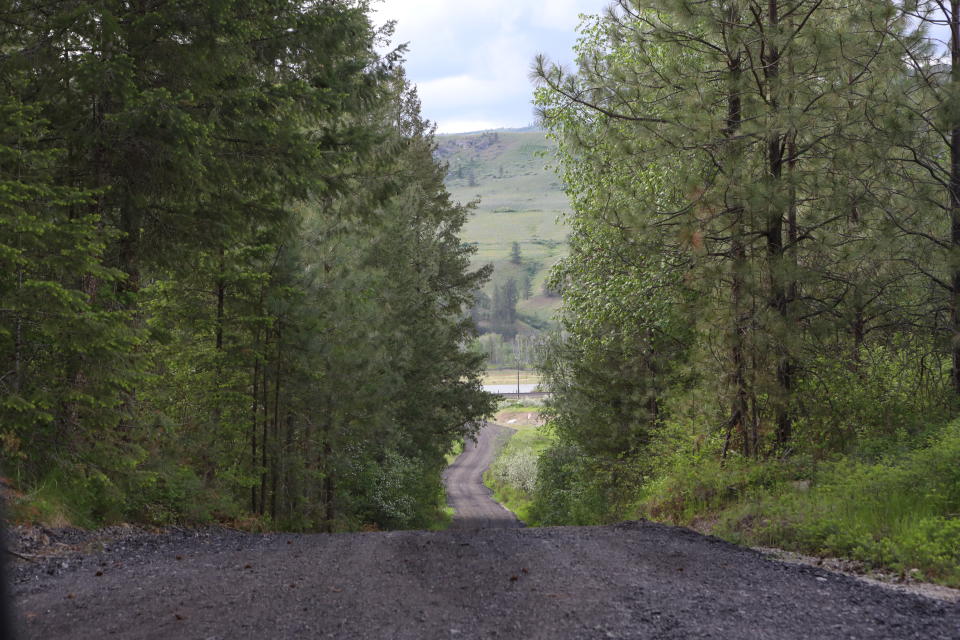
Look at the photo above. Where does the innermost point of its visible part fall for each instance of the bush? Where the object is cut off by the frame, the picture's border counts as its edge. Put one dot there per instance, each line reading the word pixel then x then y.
pixel 881 405
pixel 516 468
pixel 573 488
pixel 398 492
pixel 169 495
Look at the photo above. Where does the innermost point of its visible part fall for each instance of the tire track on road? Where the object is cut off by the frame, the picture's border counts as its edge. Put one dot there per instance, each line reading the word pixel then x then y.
pixel 472 502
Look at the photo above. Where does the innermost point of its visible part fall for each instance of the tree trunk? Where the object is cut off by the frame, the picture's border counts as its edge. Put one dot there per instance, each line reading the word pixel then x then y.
pixel 265 434
pixel 955 201
pixel 777 298
pixel 254 414
pixel 738 256
pixel 328 488
pixel 277 453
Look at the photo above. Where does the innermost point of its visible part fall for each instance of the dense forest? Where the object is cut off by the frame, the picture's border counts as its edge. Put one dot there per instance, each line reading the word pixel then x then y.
pixel 231 283
pixel 761 322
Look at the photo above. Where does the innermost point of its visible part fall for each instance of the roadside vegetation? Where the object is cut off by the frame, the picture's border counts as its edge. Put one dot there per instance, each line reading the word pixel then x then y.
pixel 513 474
pixel 761 322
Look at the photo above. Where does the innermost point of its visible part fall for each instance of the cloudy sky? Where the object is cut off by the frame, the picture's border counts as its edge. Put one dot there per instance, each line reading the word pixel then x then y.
pixel 470 59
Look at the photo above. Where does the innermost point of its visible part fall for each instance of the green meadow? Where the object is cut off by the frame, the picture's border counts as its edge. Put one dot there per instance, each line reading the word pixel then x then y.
pixel 520 199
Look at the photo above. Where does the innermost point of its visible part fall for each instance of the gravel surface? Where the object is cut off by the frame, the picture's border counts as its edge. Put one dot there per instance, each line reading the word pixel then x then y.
pixel 633 580
pixel 472 502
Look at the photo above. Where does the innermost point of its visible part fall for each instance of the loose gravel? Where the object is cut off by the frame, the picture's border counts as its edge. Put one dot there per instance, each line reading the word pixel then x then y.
pixel 634 580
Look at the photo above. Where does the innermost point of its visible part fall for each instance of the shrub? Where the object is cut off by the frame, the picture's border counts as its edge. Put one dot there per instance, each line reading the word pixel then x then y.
pixel 573 488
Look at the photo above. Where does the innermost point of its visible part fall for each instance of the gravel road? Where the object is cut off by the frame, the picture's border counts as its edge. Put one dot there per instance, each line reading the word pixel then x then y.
pixel 633 580
pixel 471 500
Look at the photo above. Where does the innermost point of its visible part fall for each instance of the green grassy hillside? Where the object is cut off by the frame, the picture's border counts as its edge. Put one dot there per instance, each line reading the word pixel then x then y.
pixel 520 200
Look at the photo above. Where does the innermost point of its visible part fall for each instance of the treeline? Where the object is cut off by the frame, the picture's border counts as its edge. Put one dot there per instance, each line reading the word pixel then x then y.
pixel 231 281
pixel 764 269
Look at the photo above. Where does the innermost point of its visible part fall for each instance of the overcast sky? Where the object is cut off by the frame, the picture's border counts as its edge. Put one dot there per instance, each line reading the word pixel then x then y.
pixel 470 59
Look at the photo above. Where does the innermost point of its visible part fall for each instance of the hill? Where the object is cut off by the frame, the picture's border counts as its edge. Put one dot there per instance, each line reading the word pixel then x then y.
pixel 520 200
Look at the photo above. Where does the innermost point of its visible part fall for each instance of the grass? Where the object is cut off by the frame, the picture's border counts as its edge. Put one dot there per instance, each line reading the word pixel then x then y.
pixel 901 513
pixel 509 376
pixel 521 200
pixel 509 172
pixel 45 506
pixel 442 520
pixel 513 473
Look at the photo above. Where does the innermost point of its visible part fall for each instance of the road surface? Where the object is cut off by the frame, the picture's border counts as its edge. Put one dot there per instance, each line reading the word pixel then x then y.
pixel 636 580
pixel 471 500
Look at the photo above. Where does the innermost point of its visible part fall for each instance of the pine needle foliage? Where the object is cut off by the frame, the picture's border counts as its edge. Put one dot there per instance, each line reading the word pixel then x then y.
pixel 233 285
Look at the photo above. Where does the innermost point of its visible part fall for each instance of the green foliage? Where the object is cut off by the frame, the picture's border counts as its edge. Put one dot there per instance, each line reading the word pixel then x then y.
pixel 881 402
pixel 235 284
pixel 513 475
pixel 66 358
pixel 396 492
pixel 761 290
pixel 573 488
pixel 899 513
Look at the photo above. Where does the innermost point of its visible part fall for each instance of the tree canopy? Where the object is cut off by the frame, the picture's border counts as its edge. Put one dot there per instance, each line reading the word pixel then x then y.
pixel 232 280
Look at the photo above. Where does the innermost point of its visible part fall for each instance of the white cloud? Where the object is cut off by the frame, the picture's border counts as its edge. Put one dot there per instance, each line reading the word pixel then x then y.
pixel 461 126
pixel 470 60
pixel 457 91
pixel 557 14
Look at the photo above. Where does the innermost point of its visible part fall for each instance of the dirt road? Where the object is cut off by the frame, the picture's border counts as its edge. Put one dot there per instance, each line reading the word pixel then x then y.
pixel 471 500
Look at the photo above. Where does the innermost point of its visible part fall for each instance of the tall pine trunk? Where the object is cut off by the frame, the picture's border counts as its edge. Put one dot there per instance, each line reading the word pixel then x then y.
pixel 955 201
pixel 777 297
pixel 739 421
pixel 254 414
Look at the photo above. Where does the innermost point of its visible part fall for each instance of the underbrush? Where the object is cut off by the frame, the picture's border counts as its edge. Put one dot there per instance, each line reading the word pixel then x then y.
pixel 513 474
pixel 901 512
pixel 454 452
pixel 165 495
pixel 576 489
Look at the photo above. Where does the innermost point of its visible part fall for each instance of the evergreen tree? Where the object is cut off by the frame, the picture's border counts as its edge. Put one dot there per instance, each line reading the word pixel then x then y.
pixel 515 257
pixel 504 311
pixel 52 328
pixel 235 283
pixel 750 204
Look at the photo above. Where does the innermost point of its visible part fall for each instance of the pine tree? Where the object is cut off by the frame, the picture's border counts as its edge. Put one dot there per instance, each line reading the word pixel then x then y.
pixel 515 257
pixel 750 204
pixel 52 327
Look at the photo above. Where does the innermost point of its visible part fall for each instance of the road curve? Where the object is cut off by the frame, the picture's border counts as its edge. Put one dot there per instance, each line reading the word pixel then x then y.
pixel 472 502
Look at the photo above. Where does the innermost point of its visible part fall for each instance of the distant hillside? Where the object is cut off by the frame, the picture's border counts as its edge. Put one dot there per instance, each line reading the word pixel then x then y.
pixel 521 200
pixel 506 169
